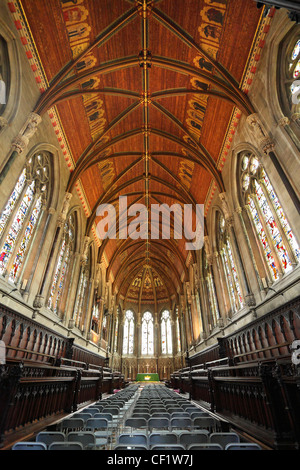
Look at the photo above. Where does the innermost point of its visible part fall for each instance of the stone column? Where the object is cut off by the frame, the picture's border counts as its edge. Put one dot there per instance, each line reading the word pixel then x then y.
pixel 51 212
pixel 247 293
pixel 47 280
pixel 68 318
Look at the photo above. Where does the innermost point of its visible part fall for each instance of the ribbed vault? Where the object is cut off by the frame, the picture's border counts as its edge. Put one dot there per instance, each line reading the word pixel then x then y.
pixel 143 118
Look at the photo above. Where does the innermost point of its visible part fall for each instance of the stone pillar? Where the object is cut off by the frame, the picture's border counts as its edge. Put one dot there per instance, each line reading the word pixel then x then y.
pixel 47 280
pixel 247 293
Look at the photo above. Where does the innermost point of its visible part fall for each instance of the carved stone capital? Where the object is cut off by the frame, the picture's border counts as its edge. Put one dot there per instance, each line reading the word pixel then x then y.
pixel 239 210
pixel 250 300
pixel 38 301
pixel 19 144
pixel 51 210
pixel 267 146
pixel 295 117
pixel 284 121
pixel 230 221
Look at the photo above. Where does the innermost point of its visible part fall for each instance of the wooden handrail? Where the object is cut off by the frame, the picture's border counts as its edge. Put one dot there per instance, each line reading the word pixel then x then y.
pixel 29 351
pixel 256 351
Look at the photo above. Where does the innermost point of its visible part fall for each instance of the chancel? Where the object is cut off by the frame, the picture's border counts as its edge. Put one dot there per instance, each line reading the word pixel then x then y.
pixel 119 121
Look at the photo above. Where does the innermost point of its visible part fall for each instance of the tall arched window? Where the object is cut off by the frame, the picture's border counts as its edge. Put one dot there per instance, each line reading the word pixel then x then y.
pixel 116 332
pixel 21 214
pixel 214 314
pixel 278 243
pixel 166 333
pixel 4 75
pixel 147 334
pixel 289 68
pixel 63 263
pixel 178 336
pixel 229 265
pixel 82 291
pixel 95 315
pixel 128 334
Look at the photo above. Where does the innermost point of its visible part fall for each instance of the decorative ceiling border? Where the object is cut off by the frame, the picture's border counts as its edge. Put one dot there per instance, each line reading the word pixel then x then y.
pixel 246 82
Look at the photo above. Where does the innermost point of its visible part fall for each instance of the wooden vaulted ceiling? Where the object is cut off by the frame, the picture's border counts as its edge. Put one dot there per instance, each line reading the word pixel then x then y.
pixel 144 91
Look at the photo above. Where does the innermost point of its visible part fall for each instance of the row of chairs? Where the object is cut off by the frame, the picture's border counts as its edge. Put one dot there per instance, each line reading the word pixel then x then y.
pixel 185 439
pixel 88 429
pixel 104 424
pixel 172 424
pixel 158 417
pixel 241 446
pixel 155 441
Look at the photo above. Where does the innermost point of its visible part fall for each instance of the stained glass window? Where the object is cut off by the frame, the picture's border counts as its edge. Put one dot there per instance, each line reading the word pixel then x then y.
pixel 166 333
pixel 272 228
pixel 62 265
pixel 22 213
pixel 263 239
pixel 13 199
pixel 26 240
pixel 178 335
pixel 116 334
pixel 276 237
pixel 82 293
pixel 232 280
pixel 281 215
pixel 291 70
pixel 5 75
pixel 147 334
pixel 212 298
pixel 95 315
pixel 128 335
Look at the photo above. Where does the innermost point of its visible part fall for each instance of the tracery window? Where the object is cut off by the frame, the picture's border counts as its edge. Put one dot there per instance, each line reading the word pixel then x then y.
pixel 116 333
pixel 166 333
pixel 21 214
pixel 178 335
pixel 211 292
pixel 82 292
pixel 290 70
pixel 63 263
pixel 104 327
pixel 128 334
pixel 229 265
pixel 147 334
pixel 4 75
pixel 277 240
pixel 95 315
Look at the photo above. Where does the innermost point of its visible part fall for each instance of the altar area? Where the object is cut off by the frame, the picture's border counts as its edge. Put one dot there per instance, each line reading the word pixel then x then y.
pixel 147 377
